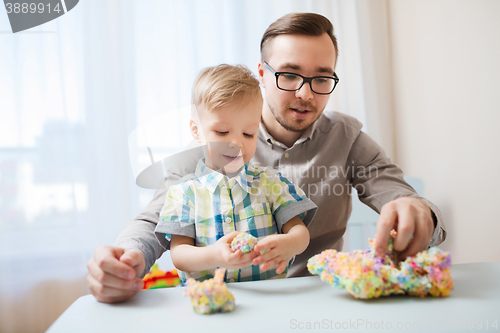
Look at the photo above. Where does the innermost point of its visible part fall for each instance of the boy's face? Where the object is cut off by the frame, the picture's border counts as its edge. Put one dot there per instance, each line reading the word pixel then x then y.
pixel 230 133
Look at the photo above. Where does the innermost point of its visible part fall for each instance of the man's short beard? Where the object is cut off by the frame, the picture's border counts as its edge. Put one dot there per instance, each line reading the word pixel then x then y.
pixel 282 121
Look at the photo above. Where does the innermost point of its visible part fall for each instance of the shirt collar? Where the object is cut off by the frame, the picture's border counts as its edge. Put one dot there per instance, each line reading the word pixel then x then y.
pixel 212 179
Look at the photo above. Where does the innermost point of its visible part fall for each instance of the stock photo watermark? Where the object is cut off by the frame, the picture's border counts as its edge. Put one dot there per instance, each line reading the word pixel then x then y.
pixel 365 324
pixel 27 14
pixel 326 179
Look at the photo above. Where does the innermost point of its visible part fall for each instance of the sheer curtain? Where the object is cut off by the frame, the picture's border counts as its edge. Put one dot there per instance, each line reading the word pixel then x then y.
pixel 72 91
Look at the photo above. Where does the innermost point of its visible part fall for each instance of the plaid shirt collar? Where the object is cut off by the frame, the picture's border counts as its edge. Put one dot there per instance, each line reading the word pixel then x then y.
pixel 212 179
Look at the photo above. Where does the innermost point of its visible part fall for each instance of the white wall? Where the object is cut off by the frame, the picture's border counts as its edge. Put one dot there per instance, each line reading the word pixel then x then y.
pixel 446 71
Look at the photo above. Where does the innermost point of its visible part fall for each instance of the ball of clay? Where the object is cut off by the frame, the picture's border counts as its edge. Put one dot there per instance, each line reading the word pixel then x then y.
pixel 210 296
pixel 244 242
pixel 366 275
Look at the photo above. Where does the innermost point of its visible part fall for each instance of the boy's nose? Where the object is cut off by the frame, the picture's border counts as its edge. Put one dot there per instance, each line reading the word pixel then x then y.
pixel 235 144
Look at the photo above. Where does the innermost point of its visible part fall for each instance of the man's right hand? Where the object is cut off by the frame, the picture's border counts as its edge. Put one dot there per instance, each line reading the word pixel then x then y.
pixel 114 273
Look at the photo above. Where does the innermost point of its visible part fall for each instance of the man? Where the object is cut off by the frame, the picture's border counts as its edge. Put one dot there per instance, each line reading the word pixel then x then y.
pixel 324 154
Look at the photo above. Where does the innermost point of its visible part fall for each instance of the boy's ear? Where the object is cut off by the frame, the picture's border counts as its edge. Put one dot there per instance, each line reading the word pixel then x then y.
pixel 195 131
pixel 260 71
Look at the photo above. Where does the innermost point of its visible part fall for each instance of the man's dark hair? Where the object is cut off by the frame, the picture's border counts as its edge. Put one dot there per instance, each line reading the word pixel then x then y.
pixel 297 24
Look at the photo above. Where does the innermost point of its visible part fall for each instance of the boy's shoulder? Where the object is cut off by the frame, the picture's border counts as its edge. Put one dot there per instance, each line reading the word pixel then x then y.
pixel 193 177
pixel 263 173
pixel 185 183
pixel 186 179
pixel 258 170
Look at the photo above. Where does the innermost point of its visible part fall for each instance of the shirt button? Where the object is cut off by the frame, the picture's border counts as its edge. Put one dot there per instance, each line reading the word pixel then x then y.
pixel 258 209
pixel 228 220
pixel 287 155
pixel 225 191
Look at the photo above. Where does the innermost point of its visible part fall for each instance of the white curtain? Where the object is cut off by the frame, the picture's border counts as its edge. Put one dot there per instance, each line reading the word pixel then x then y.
pixel 71 92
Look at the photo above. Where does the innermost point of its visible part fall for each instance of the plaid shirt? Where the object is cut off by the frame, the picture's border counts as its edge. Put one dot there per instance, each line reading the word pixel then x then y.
pixel 207 205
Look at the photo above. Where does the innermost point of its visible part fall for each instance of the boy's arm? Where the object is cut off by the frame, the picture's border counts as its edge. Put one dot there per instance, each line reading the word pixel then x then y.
pixel 190 258
pixel 283 247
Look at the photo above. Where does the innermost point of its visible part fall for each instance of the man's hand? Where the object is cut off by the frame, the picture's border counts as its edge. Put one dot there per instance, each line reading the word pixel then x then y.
pixel 412 219
pixel 114 273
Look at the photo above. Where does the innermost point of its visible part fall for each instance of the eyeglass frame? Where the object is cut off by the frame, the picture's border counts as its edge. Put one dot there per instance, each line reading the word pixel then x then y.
pixel 305 79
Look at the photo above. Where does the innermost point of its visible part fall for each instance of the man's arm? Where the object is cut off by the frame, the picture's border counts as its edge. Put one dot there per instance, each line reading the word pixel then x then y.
pixel 139 233
pixel 115 271
pixel 381 186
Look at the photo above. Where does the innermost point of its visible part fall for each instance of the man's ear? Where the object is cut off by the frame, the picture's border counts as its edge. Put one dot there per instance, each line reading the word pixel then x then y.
pixel 260 70
pixel 195 131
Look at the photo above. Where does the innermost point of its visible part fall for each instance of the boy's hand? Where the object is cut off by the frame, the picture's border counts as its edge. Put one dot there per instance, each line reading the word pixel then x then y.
pixel 281 250
pixel 225 257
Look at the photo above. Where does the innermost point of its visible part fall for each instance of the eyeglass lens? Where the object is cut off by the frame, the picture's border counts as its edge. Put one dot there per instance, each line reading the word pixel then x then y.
pixel 291 81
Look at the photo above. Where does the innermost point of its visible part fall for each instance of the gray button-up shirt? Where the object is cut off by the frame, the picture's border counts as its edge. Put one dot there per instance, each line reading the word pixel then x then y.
pixel 330 157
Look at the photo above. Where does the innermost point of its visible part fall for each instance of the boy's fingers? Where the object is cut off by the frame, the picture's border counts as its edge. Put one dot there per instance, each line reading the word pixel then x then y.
pixel 270 264
pixel 233 256
pixel 281 267
pixel 269 255
pixel 229 237
pixel 264 247
pixel 265 244
pixel 248 257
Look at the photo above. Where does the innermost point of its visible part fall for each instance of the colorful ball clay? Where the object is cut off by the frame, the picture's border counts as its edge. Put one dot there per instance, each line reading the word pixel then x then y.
pixel 210 296
pixel 244 242
pixel 366 275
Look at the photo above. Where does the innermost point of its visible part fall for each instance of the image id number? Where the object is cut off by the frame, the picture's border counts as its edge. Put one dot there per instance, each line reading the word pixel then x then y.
pixel 470 324
pixel 30 8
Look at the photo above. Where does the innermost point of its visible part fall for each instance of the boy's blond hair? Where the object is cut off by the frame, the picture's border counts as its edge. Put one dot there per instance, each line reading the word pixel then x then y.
pixel 217 86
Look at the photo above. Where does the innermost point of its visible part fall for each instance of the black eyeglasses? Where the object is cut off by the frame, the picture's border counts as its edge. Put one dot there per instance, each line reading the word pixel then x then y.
pixel 322 85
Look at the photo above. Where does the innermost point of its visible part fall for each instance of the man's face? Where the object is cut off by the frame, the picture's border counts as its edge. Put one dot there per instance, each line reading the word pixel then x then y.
pixel 230 133
pixel 305 55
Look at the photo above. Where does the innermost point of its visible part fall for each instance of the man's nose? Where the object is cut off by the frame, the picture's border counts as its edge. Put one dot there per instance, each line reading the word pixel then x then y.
pixel 305 92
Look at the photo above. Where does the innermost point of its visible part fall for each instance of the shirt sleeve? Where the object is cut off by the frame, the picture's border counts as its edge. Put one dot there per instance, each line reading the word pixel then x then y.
pixel 379 181
pixel 139 233
pixel 177 216
pixel 286 199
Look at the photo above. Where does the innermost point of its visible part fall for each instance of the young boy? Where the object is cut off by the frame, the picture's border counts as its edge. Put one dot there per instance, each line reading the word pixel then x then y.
pixel 227 195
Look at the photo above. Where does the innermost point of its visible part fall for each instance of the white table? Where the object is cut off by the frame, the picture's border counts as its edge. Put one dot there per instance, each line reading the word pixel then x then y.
pixel 299 304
